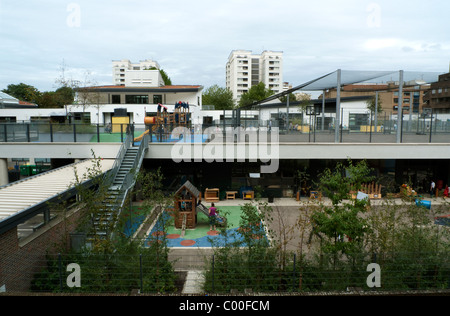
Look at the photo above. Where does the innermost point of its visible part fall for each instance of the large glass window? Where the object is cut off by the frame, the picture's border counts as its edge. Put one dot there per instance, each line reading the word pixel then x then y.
pixel 157 99
pixel 357 120
pixel 115 99
pixel 136 99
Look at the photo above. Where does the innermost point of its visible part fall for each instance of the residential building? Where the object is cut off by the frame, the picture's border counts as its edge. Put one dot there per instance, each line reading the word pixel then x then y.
pixel 245 70
pixel 388 94
pixel 143 74
pixel 438 96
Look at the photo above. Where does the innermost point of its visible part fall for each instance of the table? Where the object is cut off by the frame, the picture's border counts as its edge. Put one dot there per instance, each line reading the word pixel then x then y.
pixel 248 195
pixel 231 195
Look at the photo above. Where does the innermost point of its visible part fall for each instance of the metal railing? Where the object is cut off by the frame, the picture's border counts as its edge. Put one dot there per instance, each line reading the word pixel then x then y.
pixel 148 273
pixel 415 131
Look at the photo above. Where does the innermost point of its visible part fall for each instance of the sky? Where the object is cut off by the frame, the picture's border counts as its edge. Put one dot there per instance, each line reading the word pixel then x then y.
pixel 192 40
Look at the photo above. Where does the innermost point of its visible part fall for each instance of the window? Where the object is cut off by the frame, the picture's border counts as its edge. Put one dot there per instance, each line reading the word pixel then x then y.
pixel 357 120
pixel 157 98
pixel 115 99
pixel 136 99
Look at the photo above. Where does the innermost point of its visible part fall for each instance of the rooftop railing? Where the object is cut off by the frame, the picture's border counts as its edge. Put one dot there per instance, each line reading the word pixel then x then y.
pixel 417 131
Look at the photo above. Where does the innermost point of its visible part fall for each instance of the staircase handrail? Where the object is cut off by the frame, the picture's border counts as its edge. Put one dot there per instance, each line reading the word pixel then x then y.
pixel 130 179
pixel 109 177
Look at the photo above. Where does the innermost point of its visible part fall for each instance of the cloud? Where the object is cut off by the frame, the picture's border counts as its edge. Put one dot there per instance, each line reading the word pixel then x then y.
pixel 193 39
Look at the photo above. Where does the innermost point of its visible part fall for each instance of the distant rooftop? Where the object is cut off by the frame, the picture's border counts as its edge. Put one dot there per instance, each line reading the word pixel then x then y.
pixel 173 88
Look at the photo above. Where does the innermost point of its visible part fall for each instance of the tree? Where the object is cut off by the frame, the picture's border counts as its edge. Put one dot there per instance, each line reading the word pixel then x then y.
pixel 305 101
pixel 342 218
pixel 221 98
pixel 23 92
pixel 371 105
pixel 47 100
pixel 166 78
pixel 56 99
pixel 255 94
pixel 64 96
pixel 88 94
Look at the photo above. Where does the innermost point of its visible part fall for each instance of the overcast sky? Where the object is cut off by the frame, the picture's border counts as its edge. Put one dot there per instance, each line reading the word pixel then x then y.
pixel 191 40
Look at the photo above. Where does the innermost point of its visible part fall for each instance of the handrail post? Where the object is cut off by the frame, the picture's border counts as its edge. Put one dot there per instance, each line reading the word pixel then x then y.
pixel 51 132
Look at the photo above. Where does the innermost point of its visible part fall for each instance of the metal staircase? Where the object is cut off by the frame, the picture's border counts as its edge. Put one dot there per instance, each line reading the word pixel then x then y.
pixel 120 182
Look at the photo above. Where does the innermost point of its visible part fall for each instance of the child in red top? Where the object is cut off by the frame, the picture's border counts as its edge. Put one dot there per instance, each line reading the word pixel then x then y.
pixel 212 217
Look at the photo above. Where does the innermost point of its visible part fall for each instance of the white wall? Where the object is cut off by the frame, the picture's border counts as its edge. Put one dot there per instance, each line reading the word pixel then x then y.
pixel 143 78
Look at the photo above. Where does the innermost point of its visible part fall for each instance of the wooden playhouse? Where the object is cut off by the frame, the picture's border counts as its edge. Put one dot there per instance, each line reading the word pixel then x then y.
pixel 186 199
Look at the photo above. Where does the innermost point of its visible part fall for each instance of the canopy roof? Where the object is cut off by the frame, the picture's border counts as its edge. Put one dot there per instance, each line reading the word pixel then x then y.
pixel 330 81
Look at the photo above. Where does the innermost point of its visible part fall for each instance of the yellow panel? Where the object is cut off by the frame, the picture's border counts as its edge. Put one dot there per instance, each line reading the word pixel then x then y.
pixel 118 121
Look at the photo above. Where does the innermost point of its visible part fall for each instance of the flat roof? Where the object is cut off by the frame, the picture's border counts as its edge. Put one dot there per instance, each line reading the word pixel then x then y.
pixel 22 200
pixel 173 88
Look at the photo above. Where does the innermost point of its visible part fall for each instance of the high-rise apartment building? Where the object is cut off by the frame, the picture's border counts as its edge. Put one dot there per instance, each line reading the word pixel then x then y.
pixel 143 74
pixel 245 70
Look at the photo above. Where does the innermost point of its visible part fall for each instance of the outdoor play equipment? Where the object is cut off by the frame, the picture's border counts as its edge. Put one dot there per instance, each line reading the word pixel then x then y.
pixel 187 205
pixel 163 119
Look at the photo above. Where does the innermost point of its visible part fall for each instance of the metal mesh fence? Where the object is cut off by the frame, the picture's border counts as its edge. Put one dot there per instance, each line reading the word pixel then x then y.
pixel 232 272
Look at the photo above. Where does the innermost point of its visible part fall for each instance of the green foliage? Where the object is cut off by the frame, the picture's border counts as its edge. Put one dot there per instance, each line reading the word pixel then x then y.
pixel 116 272
pixel 371 105
pixel 342 219
pixel 23 92
pixel 221 98
pixel 48 99
pixel 248 261
pixel 256 93
pixel 166 78
pixel 119 264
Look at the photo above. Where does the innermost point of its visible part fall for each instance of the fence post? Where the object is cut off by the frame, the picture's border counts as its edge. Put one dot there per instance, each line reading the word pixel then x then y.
pixel 28 133
pixel 212 285
pixel 74 132
pixel 293 273
pixel 51 132
pixel 140 273
pixel 98 133
pixel 60 272
pixel 431 125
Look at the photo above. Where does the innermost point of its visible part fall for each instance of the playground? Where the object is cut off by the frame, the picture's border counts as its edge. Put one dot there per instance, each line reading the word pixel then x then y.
pixel 159 127
pixel 200 237
pixel 187 223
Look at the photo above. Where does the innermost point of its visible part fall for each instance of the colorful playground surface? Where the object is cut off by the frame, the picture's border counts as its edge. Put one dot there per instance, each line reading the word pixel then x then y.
pixel 201 236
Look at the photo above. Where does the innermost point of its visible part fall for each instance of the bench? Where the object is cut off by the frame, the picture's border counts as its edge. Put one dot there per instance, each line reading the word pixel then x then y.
pixel 231 195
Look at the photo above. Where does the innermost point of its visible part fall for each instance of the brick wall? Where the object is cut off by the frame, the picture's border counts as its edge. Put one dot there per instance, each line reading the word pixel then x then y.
pixel 20 261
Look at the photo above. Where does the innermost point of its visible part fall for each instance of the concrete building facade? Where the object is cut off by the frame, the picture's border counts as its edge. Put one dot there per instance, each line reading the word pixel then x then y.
pixel 438 96
pixel 143 74
pixel 245 70
pixel 388 94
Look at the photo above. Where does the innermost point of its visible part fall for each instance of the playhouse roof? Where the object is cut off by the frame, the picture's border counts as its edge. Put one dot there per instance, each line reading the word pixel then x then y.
pixel 190 187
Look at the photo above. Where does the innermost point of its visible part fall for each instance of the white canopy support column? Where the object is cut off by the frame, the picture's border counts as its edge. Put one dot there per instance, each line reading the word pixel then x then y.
pixel 3 172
